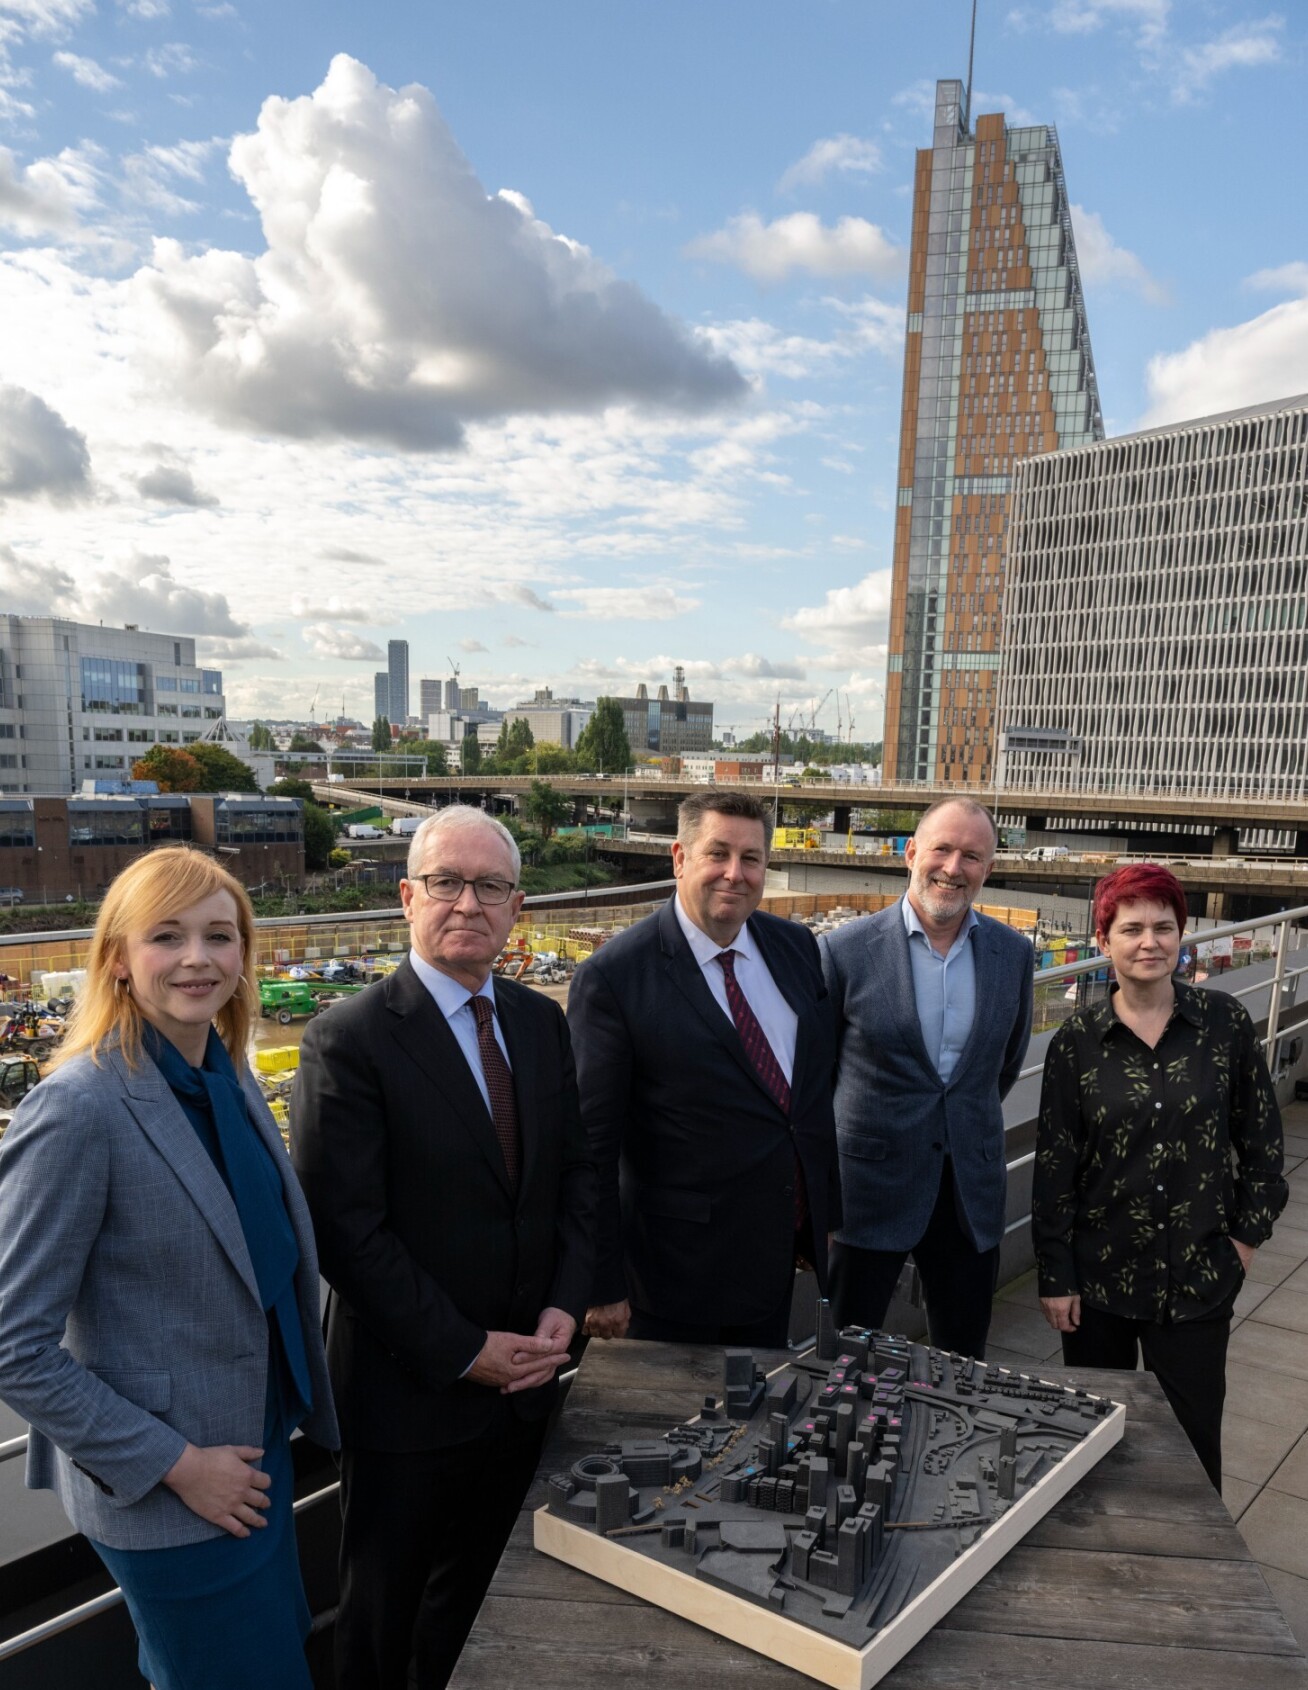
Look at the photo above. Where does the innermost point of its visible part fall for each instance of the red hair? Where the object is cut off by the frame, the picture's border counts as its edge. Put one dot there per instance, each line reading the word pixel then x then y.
pixel 1138 883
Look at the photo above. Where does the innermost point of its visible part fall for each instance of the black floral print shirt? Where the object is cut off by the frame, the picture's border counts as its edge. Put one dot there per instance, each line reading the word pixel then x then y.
pixel 1148 1162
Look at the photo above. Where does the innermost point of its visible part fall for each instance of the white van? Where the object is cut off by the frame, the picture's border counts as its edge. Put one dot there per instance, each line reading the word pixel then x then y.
pixel 364 830
pixel 405 824
pixel 1047 854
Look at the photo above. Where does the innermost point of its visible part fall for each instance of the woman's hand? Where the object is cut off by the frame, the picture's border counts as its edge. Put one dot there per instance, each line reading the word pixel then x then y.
pixel 221 1486
pixel 1062 1313
pixel 1245 1253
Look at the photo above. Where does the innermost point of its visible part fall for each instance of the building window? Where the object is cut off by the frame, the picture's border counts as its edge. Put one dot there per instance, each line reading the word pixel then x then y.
pixel 17 828
pixel 113 686
pixel 140 736
pixel 191 710
pixel 166 710
pixel 168 736
pixel 212 713
pixel 165 683
pixel 255 824
pixel 211 681
pixel 6 730
pixel 103 762
pixel 109 733
pixel 189 683
pixel 121 824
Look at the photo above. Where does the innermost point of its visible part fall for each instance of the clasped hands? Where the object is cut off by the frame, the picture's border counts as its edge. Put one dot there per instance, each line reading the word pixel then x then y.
pixel 513 1361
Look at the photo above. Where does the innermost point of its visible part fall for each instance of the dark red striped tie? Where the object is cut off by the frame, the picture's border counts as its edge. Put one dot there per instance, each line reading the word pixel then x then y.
pixel 754 1039
pixel 499 1083
pixel 769 1070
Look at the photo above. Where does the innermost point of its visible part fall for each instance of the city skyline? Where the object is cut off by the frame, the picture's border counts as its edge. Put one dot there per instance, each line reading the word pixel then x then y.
pixel 573 353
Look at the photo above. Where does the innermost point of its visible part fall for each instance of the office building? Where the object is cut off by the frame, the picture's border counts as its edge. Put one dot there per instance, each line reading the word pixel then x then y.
pixel 430 698
pixel 452 701
pixel 1155 629
pixel 553 721
pixel 79 701
pixel 381 695
pixel 997 365
pixel 670 723
pixel 397 670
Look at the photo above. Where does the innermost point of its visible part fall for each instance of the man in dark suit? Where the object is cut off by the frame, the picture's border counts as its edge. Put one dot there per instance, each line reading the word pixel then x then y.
pixel 704 1053
pixel 933 1005
pixel 435 1129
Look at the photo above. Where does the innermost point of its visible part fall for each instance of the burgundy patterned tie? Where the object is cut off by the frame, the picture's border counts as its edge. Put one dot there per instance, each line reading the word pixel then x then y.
pixel 754 1039
pixel 499 1083
pixel 769 1070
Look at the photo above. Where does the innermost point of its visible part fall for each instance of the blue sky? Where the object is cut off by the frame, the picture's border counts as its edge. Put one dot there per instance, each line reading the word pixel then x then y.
pixel 565 342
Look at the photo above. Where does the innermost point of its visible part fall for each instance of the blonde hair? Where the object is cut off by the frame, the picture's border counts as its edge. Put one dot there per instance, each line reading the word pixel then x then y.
pixel 159 885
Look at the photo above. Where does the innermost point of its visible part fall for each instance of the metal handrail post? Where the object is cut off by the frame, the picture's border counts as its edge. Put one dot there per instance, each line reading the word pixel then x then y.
pixel 1278 987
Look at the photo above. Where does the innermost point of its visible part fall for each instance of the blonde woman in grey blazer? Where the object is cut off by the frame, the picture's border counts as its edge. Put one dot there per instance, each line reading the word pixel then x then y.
pixel 159 1325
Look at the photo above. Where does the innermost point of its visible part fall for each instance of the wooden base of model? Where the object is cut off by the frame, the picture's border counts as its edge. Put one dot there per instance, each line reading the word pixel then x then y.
pixel 797 1645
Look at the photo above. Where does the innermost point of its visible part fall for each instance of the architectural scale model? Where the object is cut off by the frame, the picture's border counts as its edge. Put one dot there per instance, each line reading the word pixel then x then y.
pixel 829 1514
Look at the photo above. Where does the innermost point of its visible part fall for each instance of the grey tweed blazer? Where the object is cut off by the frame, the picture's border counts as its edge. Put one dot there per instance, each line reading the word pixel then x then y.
pixel 130 1321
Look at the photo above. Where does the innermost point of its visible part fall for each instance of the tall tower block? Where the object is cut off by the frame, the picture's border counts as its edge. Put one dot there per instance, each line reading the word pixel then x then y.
pixel 997 365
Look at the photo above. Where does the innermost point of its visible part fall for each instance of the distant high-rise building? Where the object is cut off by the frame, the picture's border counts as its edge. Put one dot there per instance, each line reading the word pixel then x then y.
pixel 452 694
pixel 997 365
pixel 667 724
pixel 469 698
pixel 1155 632
pixel 429 698
pixel 397 669
pixel 381 694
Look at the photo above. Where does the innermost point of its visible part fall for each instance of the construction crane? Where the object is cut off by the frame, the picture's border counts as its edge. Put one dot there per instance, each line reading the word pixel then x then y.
pixel 812 721
pixel 314 705
pixel 849 712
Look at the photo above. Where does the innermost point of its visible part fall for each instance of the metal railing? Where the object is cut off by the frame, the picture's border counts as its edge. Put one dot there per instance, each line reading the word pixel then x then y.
pixel 1282 984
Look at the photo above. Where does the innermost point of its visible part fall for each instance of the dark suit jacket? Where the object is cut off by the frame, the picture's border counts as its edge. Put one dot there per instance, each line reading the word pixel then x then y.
pixel 419 1236
pixel 695 1163
pixel 894 1114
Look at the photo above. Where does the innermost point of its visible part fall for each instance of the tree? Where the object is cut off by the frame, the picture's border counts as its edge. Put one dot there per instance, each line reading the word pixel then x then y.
pixel 438 762
pixel 381 734
pixel 547 757
pixel 545 808
pixel 302 742
pixel 516 739
pixel 222 771
pixel 603 744
pixel 261 738
pixel 173 769
pixel 470 755
pixel 319 837
pixel 288 788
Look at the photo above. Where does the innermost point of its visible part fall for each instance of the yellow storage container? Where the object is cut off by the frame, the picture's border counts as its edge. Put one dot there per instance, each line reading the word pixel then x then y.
pixel 277 1059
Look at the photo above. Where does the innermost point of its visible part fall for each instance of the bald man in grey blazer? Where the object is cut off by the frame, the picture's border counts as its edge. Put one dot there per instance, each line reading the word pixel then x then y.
pixel 933 1005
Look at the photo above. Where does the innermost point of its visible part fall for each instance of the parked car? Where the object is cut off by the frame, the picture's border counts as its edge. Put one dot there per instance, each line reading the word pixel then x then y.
pixel 11 895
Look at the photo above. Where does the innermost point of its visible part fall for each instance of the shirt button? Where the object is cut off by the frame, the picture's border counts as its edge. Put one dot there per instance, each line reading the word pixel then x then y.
pixel 1158 1147
pixel 1155 1067
pixel 1158 1106
pixel 1158 1188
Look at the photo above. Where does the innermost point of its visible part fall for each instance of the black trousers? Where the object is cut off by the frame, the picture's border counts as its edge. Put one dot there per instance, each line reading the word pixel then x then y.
pixel 1187 1357
pixel 958 1279
pixel 421 1534
pixel 770 1333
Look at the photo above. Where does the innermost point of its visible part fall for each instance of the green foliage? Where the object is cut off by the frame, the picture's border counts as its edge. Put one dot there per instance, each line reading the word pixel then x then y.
pixel 173 769
pixel 516 739
pixel 220 770
pixel 545 808
pixel 261 738
pixel 470 759
pixel 603 746
pixel 438 762
pixel 289 788
pixel 319 837
pixel 302 742
pixel 381 734
pixel 339 857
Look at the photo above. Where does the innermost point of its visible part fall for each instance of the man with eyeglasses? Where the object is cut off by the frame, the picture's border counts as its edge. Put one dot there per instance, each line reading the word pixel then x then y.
pixel 437 1133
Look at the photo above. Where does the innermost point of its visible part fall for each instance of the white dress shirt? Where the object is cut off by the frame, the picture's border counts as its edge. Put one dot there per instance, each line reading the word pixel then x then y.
pixel 761 992
pixel 455 1004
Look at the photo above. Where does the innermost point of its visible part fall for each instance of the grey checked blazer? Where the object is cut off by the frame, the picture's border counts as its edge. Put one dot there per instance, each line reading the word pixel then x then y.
pixel 130 1322
pixel 894 1114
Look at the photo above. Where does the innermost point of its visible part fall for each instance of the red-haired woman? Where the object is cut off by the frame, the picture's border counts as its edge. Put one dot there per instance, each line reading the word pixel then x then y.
pixel 1158 1163
pixel 159 1287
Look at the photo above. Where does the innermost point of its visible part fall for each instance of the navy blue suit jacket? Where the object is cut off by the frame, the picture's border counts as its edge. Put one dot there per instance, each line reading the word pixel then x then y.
pixel 695 1162
pixel 894 1115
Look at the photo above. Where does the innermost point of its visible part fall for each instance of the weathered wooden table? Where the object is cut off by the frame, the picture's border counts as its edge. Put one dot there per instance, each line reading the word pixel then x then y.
pixel 1136 1580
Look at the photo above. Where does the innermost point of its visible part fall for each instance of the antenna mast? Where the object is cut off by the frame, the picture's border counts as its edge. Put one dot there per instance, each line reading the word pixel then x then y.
pixel 967 98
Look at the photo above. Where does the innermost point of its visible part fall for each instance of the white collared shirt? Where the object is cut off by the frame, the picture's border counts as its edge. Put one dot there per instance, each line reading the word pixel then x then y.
pixel 761 992
pixel 455 1004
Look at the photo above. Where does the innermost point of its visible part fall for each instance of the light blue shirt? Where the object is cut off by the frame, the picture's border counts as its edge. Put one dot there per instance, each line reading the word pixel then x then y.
pixel 944 989
pixel 774 1015
pixel 455 1004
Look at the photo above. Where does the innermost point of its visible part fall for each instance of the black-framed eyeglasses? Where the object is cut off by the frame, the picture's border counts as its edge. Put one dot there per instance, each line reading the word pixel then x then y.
pixel 448 888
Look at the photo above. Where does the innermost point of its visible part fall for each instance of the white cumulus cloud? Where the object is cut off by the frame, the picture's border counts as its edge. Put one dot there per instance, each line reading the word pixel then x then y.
pixel 173 484
pixel 48 196
pixel 1102 260
pixel 770 252
pixel 1242 47
pixel 87 73
pixel 845 155
pixel 1289 278
pixel 145 591
pixel 850 619
pixel 1228 368
pixel 325 641
pixel 637 604
pixel 395 300
pixel 39 452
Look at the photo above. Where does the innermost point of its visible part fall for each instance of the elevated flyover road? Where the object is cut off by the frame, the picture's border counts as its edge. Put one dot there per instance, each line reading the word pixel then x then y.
pixel 1178 808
